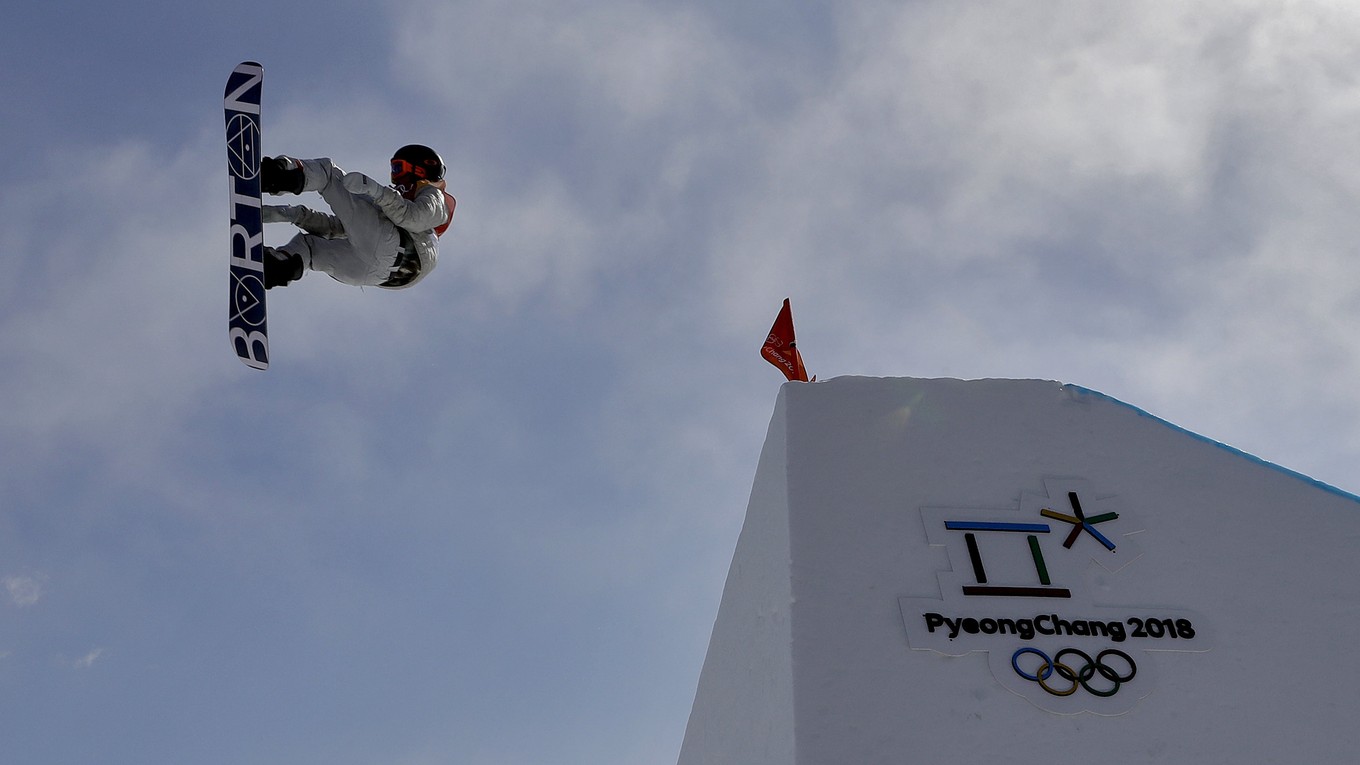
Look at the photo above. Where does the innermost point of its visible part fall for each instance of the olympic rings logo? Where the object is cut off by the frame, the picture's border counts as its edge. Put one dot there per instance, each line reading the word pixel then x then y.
pixel 1079 678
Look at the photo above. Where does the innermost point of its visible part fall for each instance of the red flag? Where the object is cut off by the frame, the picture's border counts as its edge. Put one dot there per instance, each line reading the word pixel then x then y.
pixel 780 348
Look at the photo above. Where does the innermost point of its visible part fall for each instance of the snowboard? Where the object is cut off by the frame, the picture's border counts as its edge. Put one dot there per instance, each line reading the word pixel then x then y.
pixel 247 325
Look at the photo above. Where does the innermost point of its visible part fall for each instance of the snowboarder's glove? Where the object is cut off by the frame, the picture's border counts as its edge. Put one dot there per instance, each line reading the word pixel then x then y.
pixel 362 185
pixel 280 213
pixel 305 218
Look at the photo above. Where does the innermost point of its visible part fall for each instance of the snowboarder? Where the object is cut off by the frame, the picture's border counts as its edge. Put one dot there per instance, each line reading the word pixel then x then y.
pixel 382 236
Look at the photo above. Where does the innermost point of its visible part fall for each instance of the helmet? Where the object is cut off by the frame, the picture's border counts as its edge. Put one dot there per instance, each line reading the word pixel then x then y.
pixel 412 163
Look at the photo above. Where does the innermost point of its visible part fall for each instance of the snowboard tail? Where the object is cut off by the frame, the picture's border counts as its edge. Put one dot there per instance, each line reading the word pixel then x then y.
pixel 248 319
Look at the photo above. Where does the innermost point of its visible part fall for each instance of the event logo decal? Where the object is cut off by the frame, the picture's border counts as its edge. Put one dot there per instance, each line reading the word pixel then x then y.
pixel 1016 591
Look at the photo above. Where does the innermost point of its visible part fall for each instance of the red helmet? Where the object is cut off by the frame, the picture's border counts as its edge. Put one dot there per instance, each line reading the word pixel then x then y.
pixel 413 163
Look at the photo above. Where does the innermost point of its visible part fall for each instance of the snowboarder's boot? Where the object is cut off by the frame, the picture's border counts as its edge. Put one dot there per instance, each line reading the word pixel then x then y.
pixel 280 268
pixel 281 175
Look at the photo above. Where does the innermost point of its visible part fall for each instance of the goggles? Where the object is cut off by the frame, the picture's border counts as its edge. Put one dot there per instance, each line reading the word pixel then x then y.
pixel 401 167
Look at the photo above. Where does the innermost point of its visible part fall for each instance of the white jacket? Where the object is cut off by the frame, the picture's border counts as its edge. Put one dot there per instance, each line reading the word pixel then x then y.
pixel 418 217
pixel 419 220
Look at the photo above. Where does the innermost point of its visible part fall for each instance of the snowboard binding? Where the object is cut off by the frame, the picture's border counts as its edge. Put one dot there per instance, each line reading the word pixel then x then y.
pixel 281 267
pixel 281 175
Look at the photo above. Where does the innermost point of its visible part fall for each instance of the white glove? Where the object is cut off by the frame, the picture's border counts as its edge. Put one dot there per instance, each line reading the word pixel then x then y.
pixel 279 214
pixel 360 184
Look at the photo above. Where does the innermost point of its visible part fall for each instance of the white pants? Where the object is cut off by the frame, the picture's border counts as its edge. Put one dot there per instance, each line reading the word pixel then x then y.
pixel 365 254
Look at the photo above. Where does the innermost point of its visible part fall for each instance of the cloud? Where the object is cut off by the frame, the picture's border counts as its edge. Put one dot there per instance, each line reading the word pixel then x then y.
pixel 88 660
pixel 112 308
pixel 1155 200
pixel 23 590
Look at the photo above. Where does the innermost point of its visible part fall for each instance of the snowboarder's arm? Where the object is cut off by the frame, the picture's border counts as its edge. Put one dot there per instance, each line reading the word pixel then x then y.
pixel 423 213
pixel 305 218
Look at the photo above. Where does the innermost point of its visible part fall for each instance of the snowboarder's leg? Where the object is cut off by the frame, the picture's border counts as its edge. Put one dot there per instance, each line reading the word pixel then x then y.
pixel 338 258
pixel 369 250
pixel 365 253
pixel 373 235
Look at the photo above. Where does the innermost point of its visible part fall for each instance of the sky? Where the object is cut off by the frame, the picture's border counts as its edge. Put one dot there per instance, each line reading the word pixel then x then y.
pixel 488 519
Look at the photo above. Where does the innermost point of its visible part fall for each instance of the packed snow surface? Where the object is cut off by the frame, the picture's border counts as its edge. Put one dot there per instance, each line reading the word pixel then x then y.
pixel 847 631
